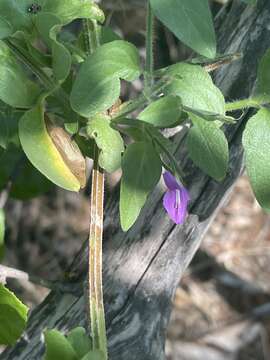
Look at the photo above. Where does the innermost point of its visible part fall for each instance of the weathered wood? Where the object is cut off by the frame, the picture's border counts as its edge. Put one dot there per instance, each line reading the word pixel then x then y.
pixel 142 268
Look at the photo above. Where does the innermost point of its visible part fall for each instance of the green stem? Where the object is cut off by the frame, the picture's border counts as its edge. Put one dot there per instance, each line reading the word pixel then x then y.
pixel 149 65
pixel 244 104
pixel 96 306
pixel 23 56
pixel 170 156
pixel 142 100
pixel 50 86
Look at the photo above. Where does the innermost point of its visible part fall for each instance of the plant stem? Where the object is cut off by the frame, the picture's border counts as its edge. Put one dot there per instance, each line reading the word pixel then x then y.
pixel 149 65
pixel 96 306
pixel 50 86
pixel 130 106
pixel 243 104
pixel 169 155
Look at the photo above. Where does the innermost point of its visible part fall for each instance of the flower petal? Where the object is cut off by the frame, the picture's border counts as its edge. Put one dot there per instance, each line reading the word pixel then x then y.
pixel 176 213
pixel 170 181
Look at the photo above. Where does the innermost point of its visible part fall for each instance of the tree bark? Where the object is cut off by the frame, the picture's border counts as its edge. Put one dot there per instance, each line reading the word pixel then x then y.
pixel 142 268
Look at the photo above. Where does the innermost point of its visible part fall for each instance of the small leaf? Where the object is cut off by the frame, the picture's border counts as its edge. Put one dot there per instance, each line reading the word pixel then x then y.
pixel 13 317
pixel 262 91
pixel 190 21
pixel 8 125
pixel 97 86
pixel 49 26
pixel 108 35
pixel 257 154
pixel 195 88
pixel 69 10
pixel 108 140
pixel 8 160
pixel 250 2
pixel 3 132
pixel 6 28
pixel 141 172
pixel 80 341
pixel 208 148
pixel 58 347
pixel 16 17
pixel 16 89
pixel 42 152
pixel 61 58
pixel 164 112
pixel 94 355
pixel 2 233
pixel 29 182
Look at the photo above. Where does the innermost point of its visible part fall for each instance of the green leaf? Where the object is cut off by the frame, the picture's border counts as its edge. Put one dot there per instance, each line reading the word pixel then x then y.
pixel 108 140
pixel 190 21
pixel 41 150
pixel 15 15
pixel 49 26
pixel 208 148
pixel 3 132
pixel 164 112
pixel 2 233
pixel 6 28
pixel 16 89
pixel 80 341
pixel 13 317
pixel 8 162
pixel 94 355
pixel 250 2
pixel 262 91
pixel 14 12
pixel 69 10
pixel 97 86
pixel 108 35
pixel 28 182
pixel 58 347
pixel 195 87
pixel 8 125
pixel 61 58
pixel 141 172
pixel 257 154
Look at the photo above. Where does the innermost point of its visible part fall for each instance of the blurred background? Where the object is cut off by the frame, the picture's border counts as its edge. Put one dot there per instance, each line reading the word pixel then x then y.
pixel 222 306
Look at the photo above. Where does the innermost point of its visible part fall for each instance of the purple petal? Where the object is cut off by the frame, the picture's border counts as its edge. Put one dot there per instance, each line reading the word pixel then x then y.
pixel 175 203
pixel 170 181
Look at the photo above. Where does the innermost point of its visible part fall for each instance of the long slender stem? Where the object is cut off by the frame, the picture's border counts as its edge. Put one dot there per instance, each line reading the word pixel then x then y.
pixel 149 64
pixel 170 156
pixel 45 80
pixel 244 104
pixel 96 306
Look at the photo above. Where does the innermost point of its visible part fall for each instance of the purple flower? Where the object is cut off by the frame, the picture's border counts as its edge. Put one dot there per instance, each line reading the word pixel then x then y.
pixel 176 199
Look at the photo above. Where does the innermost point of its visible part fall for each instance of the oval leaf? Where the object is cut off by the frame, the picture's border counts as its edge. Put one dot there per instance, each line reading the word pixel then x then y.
pixel 16 89
pixel 97 86
pixel 164 112
pixel 16 17
pixel 208 148
pixel 141 172
pixel 58 347
pixel 42 152
pixel 108 140
pixel 13 317
pixel 262 90
pixel 195 87
pixel 190 21
pixel 257 153
pixel 80 342
pixel 2 233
